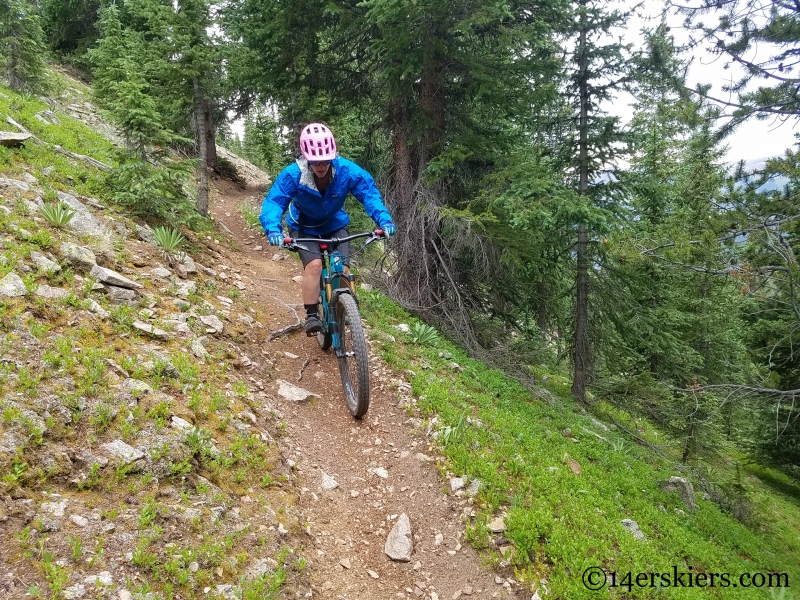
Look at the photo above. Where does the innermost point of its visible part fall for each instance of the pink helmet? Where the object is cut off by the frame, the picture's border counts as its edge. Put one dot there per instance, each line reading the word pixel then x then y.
pixel 317 143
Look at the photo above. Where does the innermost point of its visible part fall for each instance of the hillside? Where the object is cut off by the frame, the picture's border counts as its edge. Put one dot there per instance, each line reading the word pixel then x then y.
pixel 148 449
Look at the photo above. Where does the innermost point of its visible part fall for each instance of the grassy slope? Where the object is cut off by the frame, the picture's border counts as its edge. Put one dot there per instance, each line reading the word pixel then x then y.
pixel 561 523
pixel 211 394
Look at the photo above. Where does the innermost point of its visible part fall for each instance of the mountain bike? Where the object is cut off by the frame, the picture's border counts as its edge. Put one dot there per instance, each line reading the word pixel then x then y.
pixel 342 328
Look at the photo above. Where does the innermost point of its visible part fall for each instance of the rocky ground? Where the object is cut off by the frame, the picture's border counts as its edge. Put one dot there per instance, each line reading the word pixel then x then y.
pixel 146 447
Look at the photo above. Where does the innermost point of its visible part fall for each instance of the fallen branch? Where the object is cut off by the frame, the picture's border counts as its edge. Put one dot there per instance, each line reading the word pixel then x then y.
pixel 87 159
pixel 305 364
pixel 289 328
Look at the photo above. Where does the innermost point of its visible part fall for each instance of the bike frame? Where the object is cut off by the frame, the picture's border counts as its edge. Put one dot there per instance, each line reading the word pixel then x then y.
pixel 331 278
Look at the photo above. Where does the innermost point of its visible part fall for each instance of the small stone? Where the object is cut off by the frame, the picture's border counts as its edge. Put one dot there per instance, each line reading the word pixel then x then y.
pixel 79 520
pixel 52 293
pixel 151 330
pixel 102 578
pixel 278 256
pixel 122 451
pixel 199 350
pixel 456 595
pixel 12 286
pixel 74 592
pixel 78 256
pixel 213 322
pixel 328 482
pixel 298 279
pixel 633 527
pixel 423 457
pixel 126 595
pixel 180 424
pixel 398 544
pixel 497 525
pixel 498 580
pixel 290 355
pixel 44 264
pixel 345 562
pixel 354 493
pixel 372 574
pixel 458 483
pixel 161 272
pixel 56 509
pixel 294 393
pixel 110 277
pixel 437 541
pixel 380 472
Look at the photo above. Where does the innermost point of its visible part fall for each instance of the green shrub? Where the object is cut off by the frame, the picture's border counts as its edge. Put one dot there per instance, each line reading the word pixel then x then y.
pixel 58 214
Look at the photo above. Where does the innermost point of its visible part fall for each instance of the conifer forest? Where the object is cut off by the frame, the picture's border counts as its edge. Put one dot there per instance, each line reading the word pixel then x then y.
pixel 536 230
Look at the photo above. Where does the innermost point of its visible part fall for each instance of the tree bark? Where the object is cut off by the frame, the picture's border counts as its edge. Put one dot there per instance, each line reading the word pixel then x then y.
pixel 200 124
pixel 211 141
pixel 581 351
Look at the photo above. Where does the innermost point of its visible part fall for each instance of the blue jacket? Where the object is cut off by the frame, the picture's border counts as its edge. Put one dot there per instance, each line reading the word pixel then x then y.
pixel 294 188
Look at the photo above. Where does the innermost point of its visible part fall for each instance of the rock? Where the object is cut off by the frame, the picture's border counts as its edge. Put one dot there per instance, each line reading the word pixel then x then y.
pixel 345 562
pixel 79 520
pixel 189 265
pixel 573 464
pixel 126 595
pixel 260 567
pixel 102 578
pixel 214 324
pixel 684 489
pixel 180 424
pixel 84 222
pixel 12 286
pixel 199 350
pixel 380 472
pixel 145 234
pixel 14 183
pixel 136 387
pixel 294 393
pixel 599 424
pixel 186 515
pixel 110 277
pixel 403 327
pixel 398 544
pixel 458 483
pixel 438 539
pixel 44 264
pixel 633 527
pixel 118 295
pixel 151 330
pixel 12 139
pixel 122 452
pixel 53 293
pixel 48 118
pixel 497 525
pixel 328 482
pixel 372 573
pixel 56 509
pixel 161 272
pixel 474 487
pixel 423 457
pixel 278 256
pixel 74 592
pixel 79 257
pixel 298 279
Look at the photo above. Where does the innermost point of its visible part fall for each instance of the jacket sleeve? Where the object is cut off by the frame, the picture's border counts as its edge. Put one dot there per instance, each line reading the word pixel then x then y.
pixel 363 187
pixel 283 190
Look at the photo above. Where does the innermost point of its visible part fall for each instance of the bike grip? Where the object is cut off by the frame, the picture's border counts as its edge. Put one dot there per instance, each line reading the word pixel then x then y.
pixel 287 241
pixel 379 232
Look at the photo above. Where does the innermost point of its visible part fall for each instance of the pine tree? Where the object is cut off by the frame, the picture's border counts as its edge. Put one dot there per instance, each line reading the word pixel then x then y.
pixel 22 50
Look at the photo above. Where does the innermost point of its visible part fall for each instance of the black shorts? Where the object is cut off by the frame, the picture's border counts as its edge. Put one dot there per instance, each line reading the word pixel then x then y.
pixel 314 252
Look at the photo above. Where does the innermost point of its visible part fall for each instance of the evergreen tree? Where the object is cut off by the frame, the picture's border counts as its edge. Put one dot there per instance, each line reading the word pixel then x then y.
pixel 71 27
pixel 22 49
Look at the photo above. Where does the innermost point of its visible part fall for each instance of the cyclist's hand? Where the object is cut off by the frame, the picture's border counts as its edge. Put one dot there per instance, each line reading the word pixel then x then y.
pixel 389 229
pixel 275 238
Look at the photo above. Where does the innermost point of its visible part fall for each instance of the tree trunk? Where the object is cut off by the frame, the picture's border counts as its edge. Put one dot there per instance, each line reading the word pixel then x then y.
pixel 211 142
pixel 581 351
pixel 200 124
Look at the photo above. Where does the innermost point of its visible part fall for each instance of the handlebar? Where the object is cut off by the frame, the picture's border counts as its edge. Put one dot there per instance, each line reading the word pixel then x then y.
pixel 292 243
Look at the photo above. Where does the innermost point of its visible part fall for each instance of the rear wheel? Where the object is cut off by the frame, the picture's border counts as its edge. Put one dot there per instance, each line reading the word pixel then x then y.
pixel 353 365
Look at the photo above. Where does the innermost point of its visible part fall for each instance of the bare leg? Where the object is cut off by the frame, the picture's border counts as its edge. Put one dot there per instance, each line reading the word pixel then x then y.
pixel 311 281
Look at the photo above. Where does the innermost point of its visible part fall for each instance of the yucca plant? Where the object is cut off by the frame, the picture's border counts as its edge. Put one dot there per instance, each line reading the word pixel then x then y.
pixel 58 214
pixel 170 241
pixel 424 334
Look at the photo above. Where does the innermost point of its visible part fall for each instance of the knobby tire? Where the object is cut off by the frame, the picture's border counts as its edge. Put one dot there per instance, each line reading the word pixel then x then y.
pixel 354 370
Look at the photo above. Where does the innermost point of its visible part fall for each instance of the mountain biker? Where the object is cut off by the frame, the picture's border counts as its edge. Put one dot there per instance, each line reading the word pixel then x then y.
pixel 313 189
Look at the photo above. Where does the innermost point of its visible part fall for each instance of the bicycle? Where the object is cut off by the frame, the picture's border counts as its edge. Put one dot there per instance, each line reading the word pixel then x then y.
pixel 342 328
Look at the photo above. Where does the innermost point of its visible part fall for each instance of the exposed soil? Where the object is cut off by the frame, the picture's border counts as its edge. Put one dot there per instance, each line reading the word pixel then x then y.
pixel 347 527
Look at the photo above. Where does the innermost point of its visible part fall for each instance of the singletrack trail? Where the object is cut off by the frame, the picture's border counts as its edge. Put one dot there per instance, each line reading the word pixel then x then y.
pixel 346 527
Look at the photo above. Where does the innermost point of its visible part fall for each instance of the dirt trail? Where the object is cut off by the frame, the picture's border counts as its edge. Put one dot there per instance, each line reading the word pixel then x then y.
pixel 346 527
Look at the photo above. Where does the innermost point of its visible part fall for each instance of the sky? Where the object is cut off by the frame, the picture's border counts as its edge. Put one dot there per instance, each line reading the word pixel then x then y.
pixel 752 140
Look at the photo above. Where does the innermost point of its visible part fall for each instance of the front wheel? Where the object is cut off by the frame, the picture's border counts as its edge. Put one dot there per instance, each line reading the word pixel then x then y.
pixel 353 362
